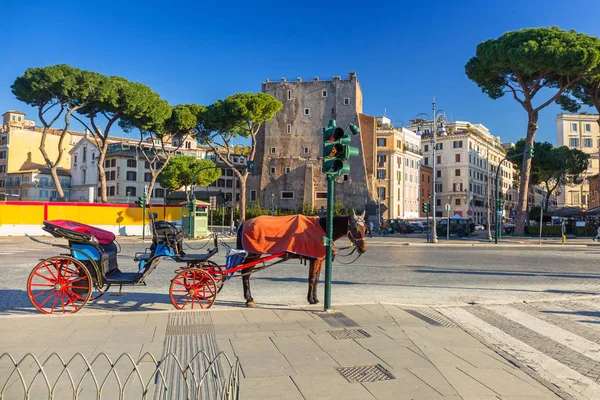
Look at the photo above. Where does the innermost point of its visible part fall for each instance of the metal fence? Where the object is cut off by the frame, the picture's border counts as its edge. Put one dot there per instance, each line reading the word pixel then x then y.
pixel 199 377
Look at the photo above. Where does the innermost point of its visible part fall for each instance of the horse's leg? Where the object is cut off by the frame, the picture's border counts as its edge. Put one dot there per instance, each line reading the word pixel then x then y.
pixel 313 279
pixel 246 282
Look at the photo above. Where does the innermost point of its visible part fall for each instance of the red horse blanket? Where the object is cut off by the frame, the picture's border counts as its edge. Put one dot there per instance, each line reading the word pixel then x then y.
pixel 296 234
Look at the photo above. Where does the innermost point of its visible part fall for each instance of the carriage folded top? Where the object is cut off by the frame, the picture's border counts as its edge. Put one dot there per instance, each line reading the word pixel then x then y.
pixel 77 232
pixel 296 234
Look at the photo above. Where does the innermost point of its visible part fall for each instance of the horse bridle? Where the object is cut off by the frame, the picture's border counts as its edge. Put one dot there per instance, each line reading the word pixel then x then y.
pixel 353 222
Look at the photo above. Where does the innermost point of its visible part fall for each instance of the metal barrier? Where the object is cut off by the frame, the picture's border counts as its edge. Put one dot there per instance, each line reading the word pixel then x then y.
pixel 78 378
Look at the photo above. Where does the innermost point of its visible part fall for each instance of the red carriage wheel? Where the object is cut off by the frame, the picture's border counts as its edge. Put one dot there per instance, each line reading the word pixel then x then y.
pixel 193 289
pixel 59 285
pixel 217 272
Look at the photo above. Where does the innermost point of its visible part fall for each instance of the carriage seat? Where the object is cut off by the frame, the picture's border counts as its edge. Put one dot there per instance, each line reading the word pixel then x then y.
pixel 64 227
pixel 196 258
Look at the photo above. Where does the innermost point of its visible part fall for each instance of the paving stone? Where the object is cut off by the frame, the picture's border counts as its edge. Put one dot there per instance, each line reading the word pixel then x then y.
pixel 236 328
pixel 258 347
pixel 329 343
pixel 295 315
pixel 446 337
pixel 347 358
pixel 401 357
pixel 296 344
pixel 405 386
pixel 228 317
pixel 275 388
pixel 276 365
pixel 465 385
pixel 403 318
pixel 279 326
pixel 502 382
pixel 297 332
pixel 327 387
pixel 433 377
pixel 312 363
pixel 261 315
pixel 478 358
pixel 254 334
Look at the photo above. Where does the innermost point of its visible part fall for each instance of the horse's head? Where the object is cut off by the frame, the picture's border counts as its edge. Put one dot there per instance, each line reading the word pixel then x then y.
pixel 357 229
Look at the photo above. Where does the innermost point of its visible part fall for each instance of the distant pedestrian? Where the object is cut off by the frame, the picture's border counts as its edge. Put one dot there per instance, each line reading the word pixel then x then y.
pixel 237 225
pixel 370 229
pixel 597 229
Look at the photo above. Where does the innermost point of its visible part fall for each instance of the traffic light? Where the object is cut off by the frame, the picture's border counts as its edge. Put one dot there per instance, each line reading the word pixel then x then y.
pixel 336 149
pixel 425 207
pixel 141 201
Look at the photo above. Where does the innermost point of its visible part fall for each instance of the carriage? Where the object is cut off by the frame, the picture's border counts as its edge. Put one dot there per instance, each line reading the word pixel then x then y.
pixel 65 283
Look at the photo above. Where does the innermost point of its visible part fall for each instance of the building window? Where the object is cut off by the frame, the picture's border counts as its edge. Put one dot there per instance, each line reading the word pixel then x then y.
pixel 457 202
pixel 131 176
pixel 426 161
pixel 2 155
pixel 438 173
pixel 439 146
pixel 44 194
pixel 273 150
pixel 381 174
pixel 130 191
pixel 159 192
pixel 2 169
pixel 307 111
pixel 107 164
pixel 457 144
pixel 439 159
pixel 381 158
pixel 84 158
pixel 147 165
pixel 147 177
pixel 381 193
pixel 289 129
pixel 457 157
pixel 438 202
pixel 587 142
pixel 574 127
pixel 273 170
pixel 113 162
pixel 253 195
pixel 438 187
pixel 588 127
pixel 346 101
pixel 83 176
pixel 457 172
pixel 574 142
pixel 287 195
pixel 324 93
pixel 25 193
pixel 381 142
pixel 306 150
pixel 346 177
pixel 287 170
pixel 131 164
pixel 321 195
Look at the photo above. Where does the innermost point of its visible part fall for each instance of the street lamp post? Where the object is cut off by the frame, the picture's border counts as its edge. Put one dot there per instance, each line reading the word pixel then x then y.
pixel 437 116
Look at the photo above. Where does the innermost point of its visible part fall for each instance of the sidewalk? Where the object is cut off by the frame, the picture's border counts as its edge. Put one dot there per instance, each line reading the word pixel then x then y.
pixel 296 353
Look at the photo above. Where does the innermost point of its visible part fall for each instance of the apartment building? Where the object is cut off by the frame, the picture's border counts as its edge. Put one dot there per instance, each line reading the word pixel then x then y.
pixel 465 168
pixel 20 155
pixel 579 131
pixel 425 172
pixel 289 149
pixel 398 159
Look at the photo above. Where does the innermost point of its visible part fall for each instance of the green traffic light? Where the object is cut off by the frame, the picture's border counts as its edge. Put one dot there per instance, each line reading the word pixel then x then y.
pixel 335 167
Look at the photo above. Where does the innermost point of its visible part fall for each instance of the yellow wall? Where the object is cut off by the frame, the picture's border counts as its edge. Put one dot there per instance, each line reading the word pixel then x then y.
pixel 120 215
pixel 24 150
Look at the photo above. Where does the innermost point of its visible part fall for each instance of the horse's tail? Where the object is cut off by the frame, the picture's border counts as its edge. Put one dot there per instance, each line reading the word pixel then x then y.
pixel 238 242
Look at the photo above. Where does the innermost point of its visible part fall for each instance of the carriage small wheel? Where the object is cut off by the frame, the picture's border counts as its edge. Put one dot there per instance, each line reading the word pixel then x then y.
pixel 193 288
pixel 59 285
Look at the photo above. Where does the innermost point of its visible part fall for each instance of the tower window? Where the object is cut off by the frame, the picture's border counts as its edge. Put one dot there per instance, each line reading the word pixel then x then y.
pixel 346 101
pixel 289 129
pixel 307 111
pixel 324 93
pixel 289 94
pixel 272 150
pixel 287 170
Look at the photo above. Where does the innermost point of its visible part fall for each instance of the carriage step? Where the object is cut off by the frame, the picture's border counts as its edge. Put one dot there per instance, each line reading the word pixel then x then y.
pixel 123 278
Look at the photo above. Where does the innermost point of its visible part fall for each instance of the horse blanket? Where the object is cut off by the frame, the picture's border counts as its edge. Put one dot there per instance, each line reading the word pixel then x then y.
pixel 296 234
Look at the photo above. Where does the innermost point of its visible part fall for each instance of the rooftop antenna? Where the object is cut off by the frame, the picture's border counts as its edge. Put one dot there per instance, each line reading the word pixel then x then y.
pixel 385 112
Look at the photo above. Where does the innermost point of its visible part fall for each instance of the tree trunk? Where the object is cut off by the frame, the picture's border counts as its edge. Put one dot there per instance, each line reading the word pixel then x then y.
pixel 532 118
pixel 151 185
pixel 101 172
pixel 243 180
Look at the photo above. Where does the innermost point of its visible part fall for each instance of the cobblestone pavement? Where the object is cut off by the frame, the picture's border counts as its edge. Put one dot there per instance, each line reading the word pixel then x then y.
pixel 557 342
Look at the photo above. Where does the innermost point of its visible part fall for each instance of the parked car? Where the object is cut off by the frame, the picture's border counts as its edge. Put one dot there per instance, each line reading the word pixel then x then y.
pixel 509 228
pixel 479 227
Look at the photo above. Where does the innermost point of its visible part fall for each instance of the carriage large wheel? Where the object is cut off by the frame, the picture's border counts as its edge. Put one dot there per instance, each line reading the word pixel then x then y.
pixel 217 272
pixel 59 285
pixel 193 288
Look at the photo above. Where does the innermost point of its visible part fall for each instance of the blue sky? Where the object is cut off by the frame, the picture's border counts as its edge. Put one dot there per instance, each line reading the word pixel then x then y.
pixel 197 52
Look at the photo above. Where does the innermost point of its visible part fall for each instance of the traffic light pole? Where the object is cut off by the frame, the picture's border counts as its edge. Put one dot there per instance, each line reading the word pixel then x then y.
pixel 144 220
pixel 329 241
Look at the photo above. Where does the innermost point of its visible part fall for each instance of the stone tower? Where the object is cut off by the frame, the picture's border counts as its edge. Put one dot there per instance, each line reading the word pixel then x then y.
pixel 289 149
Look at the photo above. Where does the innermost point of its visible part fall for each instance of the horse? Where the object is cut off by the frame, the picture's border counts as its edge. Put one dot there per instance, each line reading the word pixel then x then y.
pixel 353 226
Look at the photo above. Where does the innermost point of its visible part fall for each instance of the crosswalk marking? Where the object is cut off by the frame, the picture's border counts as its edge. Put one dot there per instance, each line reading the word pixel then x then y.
pixel 564 337
pixel 568 380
